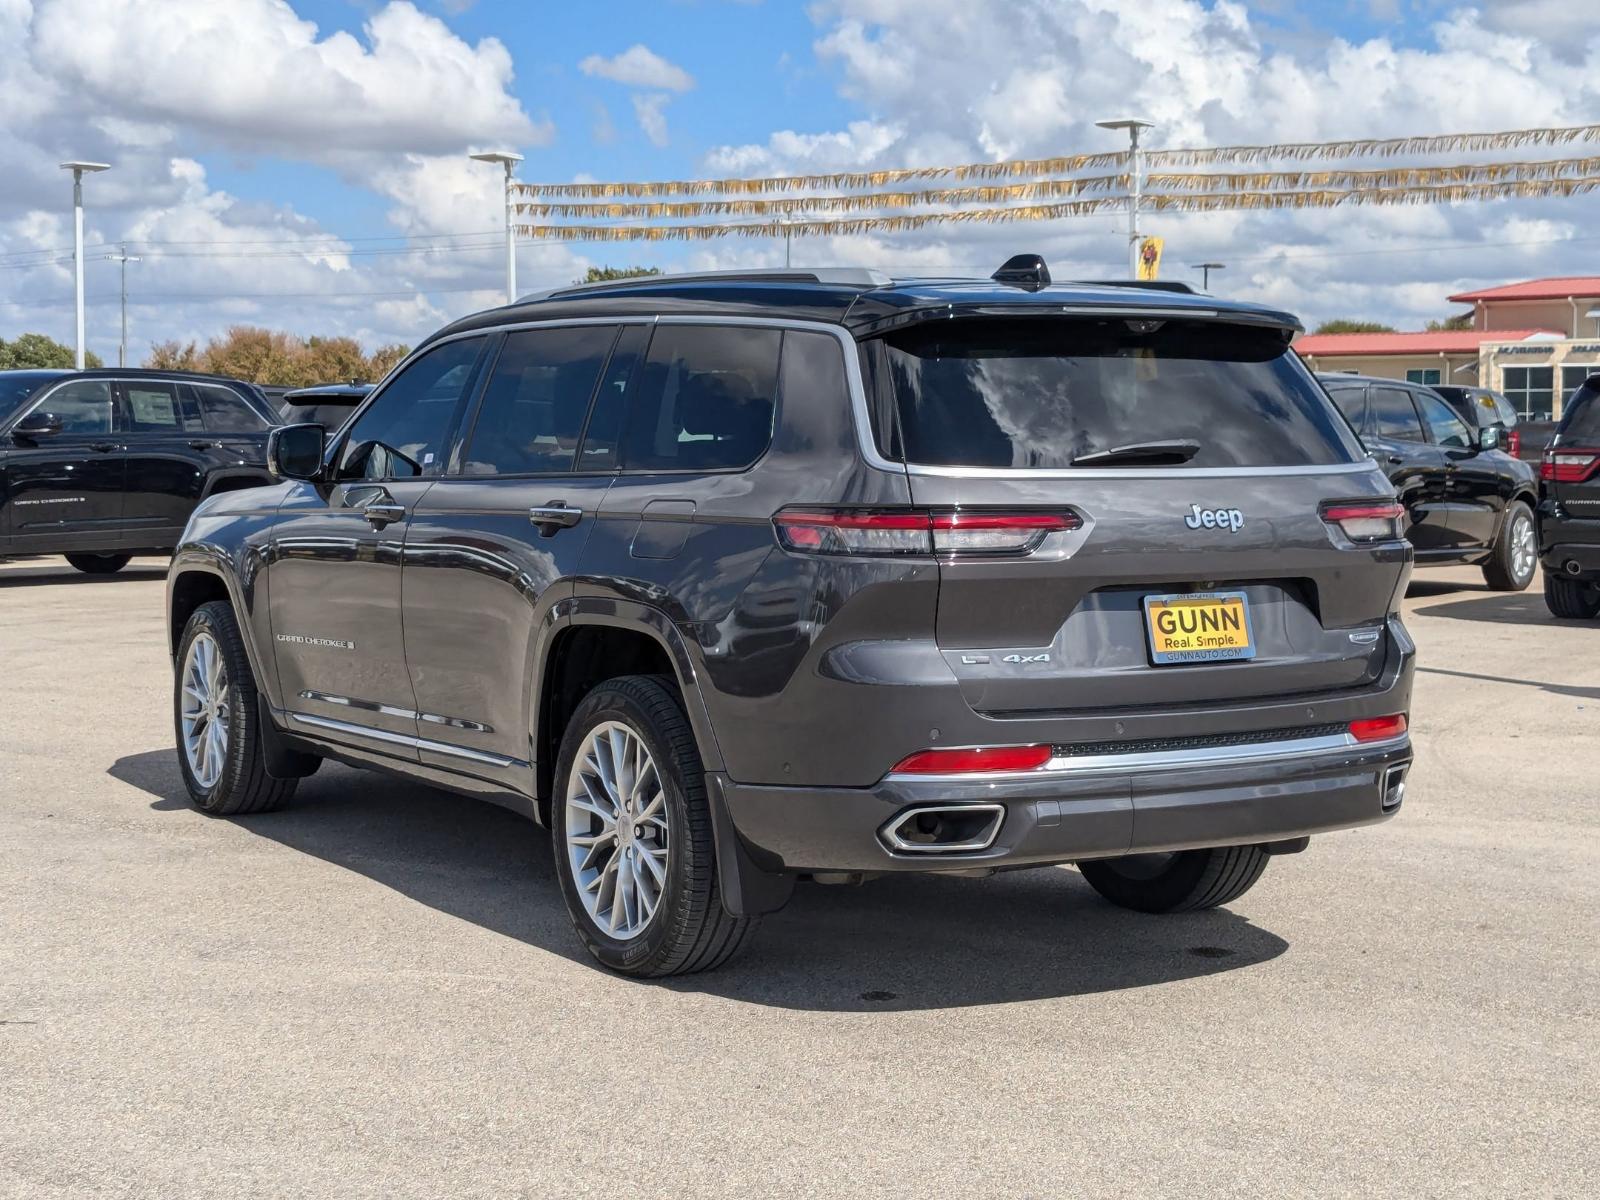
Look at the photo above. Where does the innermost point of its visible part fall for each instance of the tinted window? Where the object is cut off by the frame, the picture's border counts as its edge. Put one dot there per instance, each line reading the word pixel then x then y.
pixel 15 388
pixel 600 439
pixel 705 401
pixel 402 433
pixel 1041 393
pixel 154 407
pixel 1580 421
pixel 224 411
pixel 84 407
pixel 1448 429
pixel 536 401
pixel 1393 415
pixel 1352 402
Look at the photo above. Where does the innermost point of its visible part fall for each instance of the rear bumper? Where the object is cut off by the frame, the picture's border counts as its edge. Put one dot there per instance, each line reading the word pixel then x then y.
pixel 1557 559
pixel 1089 810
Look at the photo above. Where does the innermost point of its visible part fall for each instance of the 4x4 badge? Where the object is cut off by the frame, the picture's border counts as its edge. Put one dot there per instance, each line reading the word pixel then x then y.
pixel 1230 519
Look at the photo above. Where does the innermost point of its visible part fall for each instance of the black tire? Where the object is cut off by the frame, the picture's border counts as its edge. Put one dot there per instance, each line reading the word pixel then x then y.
pixel 690 930
pixel 1180 882
pixel 1572 599
pixel 1501 572
pixel 243 785
pixel 99 564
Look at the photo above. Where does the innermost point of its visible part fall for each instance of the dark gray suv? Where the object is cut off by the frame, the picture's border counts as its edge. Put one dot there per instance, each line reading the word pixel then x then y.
pixel 738 580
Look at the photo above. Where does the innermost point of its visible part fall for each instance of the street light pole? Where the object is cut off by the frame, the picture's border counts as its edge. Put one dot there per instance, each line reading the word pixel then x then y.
pixel 1134 125
pixel 1205 270
pixel 122 348
pixel 509 158
pixel 79 170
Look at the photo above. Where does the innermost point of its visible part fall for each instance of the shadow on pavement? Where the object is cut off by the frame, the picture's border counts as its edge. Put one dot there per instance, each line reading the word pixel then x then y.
pixel 1555 689
pixel 1500 608
pixel 57 572
pixel 899 944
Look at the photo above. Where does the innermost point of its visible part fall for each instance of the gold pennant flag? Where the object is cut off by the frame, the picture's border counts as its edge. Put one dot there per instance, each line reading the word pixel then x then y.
pixel 1150 257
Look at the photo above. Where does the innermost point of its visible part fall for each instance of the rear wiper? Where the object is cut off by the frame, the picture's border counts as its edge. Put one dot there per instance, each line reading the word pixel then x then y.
pixel 1178 450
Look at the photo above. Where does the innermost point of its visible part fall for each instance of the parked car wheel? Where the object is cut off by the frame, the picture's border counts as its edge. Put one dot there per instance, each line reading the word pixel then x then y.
pixel 631 829
pixel 99 564
pixel 1516 551
pixel 1176 882
pixel 214 707
pixel 1574 599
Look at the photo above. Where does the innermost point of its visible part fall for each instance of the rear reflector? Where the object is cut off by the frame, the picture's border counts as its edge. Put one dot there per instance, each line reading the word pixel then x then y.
pixel 1366 521
pixel 972 760
pixel 1378 729
pixel 1569 466
pixel 920 532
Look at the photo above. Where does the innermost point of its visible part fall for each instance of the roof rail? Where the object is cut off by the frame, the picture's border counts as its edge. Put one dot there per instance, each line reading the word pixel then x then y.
pixel 1149 285
pixel 861 277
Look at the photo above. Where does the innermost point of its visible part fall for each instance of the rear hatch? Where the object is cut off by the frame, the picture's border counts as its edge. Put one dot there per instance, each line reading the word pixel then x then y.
pixel 1570 470
pixel 1219 554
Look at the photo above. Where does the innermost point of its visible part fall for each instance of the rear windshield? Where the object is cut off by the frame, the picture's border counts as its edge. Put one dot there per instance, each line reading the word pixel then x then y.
pixel 1580 420
pixel 1043 393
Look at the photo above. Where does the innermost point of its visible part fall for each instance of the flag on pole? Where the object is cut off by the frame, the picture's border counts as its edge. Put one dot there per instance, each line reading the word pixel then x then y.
pixel 1150 257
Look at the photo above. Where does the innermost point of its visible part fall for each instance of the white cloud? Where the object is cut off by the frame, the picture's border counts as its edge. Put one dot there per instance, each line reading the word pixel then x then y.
pixel 640 67
pixel 649 108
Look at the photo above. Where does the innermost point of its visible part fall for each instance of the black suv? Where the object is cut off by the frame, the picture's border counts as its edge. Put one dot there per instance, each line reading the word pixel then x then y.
pixel 101 465
pixel 1569 507
pixel 737 580
pixel 1468 501
pixel 1483 409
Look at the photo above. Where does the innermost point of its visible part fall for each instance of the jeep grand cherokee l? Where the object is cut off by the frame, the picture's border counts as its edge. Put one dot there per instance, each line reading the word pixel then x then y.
pixel 104 464
pixel 738 580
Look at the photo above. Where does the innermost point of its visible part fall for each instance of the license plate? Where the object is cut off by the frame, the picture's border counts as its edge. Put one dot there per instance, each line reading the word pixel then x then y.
pixel 1200 627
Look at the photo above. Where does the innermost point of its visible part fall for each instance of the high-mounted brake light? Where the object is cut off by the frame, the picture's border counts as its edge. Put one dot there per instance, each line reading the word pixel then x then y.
pixel 1378 729
pixel 1569 464
pixel 973 760
pixel 1366 520
pixel 896 532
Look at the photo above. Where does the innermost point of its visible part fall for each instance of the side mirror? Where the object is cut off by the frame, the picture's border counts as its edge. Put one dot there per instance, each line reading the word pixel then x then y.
pixel 1492 437
pixel 295 452
pixel 37 425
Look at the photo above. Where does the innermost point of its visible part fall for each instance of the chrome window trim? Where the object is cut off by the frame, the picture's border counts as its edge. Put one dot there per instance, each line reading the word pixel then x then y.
pixel 1170 760
pixel 390 710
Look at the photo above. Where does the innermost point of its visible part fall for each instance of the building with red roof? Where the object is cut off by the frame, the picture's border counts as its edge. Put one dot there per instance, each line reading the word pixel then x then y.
pixel 1534 341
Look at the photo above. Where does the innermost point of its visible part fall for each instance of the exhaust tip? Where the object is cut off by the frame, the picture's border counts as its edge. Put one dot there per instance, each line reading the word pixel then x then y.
pixel 944 829
pixel 1573 567
pixel 1394 786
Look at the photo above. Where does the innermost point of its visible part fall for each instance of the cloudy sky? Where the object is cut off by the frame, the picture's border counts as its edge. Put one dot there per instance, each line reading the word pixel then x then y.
pixel 302 163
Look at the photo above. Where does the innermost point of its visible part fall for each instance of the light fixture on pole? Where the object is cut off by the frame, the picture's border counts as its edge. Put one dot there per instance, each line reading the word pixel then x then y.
pixel 1135 182
pixel 79 170
pixel 509 158
pixel 1205 270
pixel 124 258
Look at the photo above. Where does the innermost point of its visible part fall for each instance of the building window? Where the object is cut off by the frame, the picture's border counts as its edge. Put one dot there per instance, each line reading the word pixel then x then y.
pixel 1424 375
pixel 1572 377
pixel 1531 390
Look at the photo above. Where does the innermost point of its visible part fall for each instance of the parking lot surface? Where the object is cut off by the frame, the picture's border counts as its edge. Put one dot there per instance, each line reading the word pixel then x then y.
pixel 377 992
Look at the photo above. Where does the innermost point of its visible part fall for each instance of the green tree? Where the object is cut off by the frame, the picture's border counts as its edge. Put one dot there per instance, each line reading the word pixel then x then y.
pixel 1460 321
pixel 36 350
pixel 1345 325
pixel 606 274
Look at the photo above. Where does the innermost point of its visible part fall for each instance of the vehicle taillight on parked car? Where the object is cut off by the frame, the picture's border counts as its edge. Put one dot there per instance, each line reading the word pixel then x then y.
pixel 921 532
pixel 1569 465
pixel 1366 521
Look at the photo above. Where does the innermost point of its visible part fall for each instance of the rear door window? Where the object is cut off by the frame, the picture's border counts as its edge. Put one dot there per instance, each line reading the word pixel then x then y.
pixel 153 407
pixel 536 401
pixel 1041 393
pixel 1394 416
pixel 705 400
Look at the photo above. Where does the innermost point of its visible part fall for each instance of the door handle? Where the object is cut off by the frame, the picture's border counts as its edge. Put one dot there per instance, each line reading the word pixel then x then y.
pixel 201 445
pixel 381 512
pixel 104 447
pixel 1394 459
pixel 554 516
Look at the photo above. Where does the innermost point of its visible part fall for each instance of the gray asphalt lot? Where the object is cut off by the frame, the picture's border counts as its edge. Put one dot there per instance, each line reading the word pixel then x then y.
pixel 377 993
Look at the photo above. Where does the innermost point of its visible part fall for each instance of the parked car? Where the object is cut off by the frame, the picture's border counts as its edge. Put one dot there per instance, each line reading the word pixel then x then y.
pixel 1569 507
pixel 104 464
pixel 1483 409
pixel 738 579
pixel 1466 499
pixel 328 404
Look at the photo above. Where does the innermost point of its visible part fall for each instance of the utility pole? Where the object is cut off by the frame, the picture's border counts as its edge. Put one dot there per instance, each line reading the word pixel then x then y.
pixel 79 170
pixel 1134 125
pixel 124 258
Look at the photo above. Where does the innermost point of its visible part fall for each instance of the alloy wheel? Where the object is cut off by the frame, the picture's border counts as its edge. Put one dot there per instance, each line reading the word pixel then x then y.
pixel 1523 550
pixel 204 712
pixel 617 833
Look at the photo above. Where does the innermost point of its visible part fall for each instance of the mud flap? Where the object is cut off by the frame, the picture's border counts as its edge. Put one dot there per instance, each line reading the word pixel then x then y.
pixel 748 889
pixel 277 759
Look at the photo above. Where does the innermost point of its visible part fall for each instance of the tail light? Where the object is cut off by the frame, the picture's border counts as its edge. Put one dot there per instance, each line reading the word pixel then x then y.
pixel 899 532
pixel 973 760
pixel 1566 465
pixel 1378 729
pixel 1367 520
pixel 1514 442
